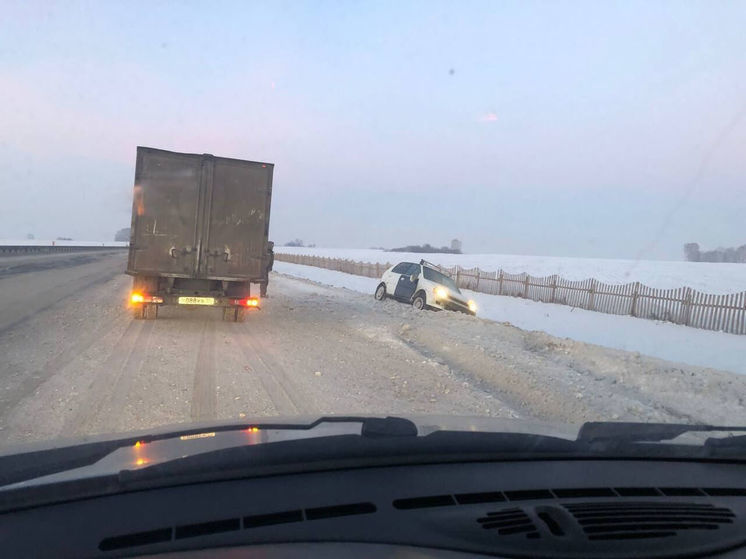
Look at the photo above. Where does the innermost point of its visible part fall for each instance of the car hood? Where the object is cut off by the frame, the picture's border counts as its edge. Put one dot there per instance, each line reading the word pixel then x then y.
pixel 425 424
pixel 303 441
pixel 32 465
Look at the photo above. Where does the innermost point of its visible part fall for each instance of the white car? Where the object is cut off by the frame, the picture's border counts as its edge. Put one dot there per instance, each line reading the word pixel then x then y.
pixel 424 286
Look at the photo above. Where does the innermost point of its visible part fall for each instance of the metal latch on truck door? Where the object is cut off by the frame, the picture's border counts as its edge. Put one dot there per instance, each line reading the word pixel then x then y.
pixel 175 252
pixel 225 253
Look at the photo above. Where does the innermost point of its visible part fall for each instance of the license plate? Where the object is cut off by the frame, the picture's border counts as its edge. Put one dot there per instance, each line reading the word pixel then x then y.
pixel 196 301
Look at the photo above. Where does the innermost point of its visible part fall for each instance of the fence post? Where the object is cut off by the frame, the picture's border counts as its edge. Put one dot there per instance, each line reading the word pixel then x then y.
pixel 378 270
pixel 458 276
pixel 478 273
pixel 686 307
pixel 592 295
pixel 525 287
pixel 635 296
pixel 500 285
pixel 554 287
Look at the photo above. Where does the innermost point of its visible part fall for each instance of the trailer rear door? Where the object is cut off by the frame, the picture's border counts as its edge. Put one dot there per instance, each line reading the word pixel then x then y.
pixel 165 213
pixel 238 224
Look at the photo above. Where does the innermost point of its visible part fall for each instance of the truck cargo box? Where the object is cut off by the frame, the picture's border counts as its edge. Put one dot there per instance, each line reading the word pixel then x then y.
pixel 199 216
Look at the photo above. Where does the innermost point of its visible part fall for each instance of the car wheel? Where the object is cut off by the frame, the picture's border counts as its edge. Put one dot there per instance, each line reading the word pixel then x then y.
pixel 419 302
pixel 380 294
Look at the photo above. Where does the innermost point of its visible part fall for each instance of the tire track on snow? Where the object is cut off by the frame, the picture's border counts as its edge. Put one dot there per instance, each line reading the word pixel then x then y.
pixel 204 395
pixel 272 377
pixel 109 391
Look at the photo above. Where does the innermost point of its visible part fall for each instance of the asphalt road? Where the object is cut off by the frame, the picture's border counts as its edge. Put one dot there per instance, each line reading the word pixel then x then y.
pixel 74 362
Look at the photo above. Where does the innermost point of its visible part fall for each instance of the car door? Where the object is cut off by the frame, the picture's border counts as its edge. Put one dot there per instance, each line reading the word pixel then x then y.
pixel 391 277
pixel 405 287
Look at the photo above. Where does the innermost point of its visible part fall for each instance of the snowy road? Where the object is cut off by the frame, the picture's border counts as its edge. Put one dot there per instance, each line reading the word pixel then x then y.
pixel 74 362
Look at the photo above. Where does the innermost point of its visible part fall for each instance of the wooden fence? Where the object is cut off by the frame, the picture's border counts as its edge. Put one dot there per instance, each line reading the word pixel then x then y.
pixel 683 305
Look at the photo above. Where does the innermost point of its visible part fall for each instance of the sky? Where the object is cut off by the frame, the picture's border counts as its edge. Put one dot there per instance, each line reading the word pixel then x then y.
pixel 599 129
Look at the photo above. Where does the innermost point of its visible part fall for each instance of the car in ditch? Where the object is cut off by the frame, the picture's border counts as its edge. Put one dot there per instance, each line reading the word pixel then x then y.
pixel 424 286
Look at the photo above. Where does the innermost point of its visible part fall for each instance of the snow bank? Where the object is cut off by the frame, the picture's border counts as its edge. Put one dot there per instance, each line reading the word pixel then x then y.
pixel 658 339
pixel 705 277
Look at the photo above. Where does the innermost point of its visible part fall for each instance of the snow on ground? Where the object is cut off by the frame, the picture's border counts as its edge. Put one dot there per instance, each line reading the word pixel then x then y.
pixel 703 276
pixel 658 339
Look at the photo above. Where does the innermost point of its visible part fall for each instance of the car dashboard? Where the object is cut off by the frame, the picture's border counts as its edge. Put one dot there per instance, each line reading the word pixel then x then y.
pixel 541 508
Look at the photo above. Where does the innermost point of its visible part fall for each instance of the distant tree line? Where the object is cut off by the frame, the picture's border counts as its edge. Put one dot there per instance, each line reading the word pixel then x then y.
pixel 426 248
pixel 299 243
pixel 730 254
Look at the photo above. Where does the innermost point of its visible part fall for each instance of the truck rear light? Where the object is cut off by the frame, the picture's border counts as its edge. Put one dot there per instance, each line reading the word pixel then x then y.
pixel 137 298
pixel 247 302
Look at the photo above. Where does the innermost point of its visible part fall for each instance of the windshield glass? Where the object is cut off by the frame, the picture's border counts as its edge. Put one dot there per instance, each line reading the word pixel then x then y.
pixel 437 277
pixel 210 215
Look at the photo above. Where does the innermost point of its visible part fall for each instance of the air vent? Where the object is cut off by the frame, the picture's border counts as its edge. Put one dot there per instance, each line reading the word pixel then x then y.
pixel 424 502
pixel 138 539
pixel 724 492
pixel 260 520
pixel 635 520
pixel 530 495
pixel 484 497
pixel 207 528
pixel 430 501
pixel 681 492
pixel 584 493
pixel 637 492
pixel 509 522
pixel 342 510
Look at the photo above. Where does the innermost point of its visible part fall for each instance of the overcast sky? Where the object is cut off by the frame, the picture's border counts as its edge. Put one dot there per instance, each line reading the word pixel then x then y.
pixel 556 128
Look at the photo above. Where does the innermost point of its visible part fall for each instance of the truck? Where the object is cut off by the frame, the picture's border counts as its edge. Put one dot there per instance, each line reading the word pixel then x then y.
pixel 199 232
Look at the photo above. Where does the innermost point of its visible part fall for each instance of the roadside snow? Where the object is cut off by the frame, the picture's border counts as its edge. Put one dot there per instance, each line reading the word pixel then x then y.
pixel 703 276
pixel 328 277
pixel 658 339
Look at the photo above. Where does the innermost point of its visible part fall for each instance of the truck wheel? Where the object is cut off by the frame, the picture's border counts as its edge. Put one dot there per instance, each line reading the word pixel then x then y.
pixel 138 312
pixel 380 293
pixel 234 314
pixel 150 312
pixel 419 302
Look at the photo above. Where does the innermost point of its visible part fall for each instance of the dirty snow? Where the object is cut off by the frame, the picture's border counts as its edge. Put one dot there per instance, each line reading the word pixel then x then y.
pixel 664 340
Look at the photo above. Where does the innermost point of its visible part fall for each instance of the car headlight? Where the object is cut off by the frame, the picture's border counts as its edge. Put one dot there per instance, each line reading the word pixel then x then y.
pixel 441 292
pixel 472 306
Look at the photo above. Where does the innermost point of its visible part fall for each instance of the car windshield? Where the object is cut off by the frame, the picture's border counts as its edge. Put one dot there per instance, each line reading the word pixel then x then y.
pixel 437 277
pixel 211 214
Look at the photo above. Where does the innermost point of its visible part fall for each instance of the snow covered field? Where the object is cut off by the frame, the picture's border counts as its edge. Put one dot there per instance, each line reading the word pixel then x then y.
pixel 705 277
pixel 658 339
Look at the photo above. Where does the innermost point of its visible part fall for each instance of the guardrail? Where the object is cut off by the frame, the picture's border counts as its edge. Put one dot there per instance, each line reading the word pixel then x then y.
pixel 683 305
pixel 12 248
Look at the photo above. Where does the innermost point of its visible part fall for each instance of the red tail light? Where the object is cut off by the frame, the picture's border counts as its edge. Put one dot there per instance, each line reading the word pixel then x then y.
pixel 137 298
pixel 248 302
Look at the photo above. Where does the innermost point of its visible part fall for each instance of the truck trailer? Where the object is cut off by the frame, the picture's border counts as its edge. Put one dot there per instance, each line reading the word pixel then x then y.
pixel 199 233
